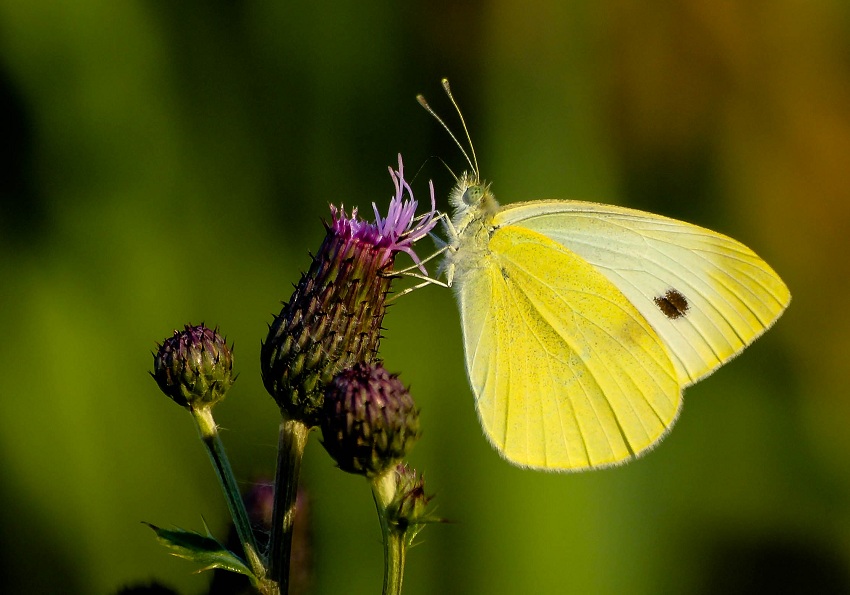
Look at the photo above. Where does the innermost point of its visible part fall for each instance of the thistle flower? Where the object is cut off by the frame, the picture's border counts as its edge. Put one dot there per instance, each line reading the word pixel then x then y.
pixel 370 421
pixel 333 318
pixel 194 367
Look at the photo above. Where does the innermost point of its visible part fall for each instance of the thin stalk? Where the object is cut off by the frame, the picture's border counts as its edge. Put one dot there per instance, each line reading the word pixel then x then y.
pixel 394 552
pixel 394 538
pixel 290 451
pixel 215 448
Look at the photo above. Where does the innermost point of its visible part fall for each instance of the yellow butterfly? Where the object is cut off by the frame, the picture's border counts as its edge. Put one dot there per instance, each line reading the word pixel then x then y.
pixel 583 322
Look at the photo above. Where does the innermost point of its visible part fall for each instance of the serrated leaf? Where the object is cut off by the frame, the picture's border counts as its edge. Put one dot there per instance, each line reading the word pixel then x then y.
pixel 203 549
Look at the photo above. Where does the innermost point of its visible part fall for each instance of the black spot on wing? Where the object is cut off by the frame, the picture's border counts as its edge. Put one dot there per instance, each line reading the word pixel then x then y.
pixel 672 304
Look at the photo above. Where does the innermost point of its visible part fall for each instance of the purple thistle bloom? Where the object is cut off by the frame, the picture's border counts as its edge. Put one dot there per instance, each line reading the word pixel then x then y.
pixel 333 319
pixel 399 230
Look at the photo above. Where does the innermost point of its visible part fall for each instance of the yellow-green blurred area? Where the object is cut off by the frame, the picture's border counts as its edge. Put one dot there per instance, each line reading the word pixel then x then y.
pixel 172 162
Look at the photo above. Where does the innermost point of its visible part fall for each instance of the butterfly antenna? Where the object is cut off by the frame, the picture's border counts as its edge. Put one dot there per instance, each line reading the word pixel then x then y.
pixel 421 99
pixel 446 165
pixel 448 91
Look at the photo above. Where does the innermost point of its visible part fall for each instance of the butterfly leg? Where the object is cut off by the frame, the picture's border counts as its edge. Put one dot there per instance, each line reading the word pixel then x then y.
pixel 451 246
pixel 427 281
pixel 406 271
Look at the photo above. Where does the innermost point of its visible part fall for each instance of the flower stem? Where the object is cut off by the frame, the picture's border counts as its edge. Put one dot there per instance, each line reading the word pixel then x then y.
pixel 290 451
pixel 394 551
pixel 394 538
pixel 209 435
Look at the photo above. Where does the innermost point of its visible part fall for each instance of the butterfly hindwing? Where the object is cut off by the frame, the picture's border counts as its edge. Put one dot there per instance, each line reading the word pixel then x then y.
pixel 566 372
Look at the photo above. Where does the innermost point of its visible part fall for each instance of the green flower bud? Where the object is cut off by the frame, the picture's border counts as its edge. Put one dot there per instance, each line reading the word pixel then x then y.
pixel 370 421
pixel 194 367
pixel 408 509
pixel 333 320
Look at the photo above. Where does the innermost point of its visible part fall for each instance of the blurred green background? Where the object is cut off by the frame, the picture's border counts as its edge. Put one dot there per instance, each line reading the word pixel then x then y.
pixel 171 162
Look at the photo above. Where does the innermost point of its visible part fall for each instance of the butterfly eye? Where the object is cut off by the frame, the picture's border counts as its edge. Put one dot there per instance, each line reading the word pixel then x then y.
pixel 472 195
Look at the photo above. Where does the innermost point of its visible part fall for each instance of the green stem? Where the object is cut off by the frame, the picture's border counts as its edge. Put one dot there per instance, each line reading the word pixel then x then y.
pixel 394 551
pixel 290 451
pixel 394 539
pixel 209 435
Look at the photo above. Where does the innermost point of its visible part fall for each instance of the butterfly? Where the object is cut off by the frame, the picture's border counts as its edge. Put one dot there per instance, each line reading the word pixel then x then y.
pixel 583 322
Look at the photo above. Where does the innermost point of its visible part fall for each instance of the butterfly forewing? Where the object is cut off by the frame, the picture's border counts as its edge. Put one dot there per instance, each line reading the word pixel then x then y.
pixel 567 373
pixel 705 294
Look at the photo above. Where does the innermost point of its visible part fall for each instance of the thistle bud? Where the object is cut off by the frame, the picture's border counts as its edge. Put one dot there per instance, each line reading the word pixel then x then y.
pixel 408 508
pixel 370 421
pixel 333 318
pixel 194 367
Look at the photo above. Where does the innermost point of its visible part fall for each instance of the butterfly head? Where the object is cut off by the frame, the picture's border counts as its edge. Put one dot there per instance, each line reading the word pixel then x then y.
pixel 472 194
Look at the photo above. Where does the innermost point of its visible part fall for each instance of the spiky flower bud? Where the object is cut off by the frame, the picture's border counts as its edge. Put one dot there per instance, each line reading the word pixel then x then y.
pixel 408 508
pixel 370 421
pixel 333 318
pixel 194 367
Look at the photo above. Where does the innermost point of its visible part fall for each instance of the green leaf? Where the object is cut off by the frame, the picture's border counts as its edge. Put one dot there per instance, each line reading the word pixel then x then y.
pixel 203 549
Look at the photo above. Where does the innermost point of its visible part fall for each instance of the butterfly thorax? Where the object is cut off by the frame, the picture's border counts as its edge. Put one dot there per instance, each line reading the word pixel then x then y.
pixel 471 226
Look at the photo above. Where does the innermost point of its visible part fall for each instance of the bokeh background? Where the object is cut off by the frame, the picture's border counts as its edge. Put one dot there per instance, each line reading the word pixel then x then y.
pixel 171 162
